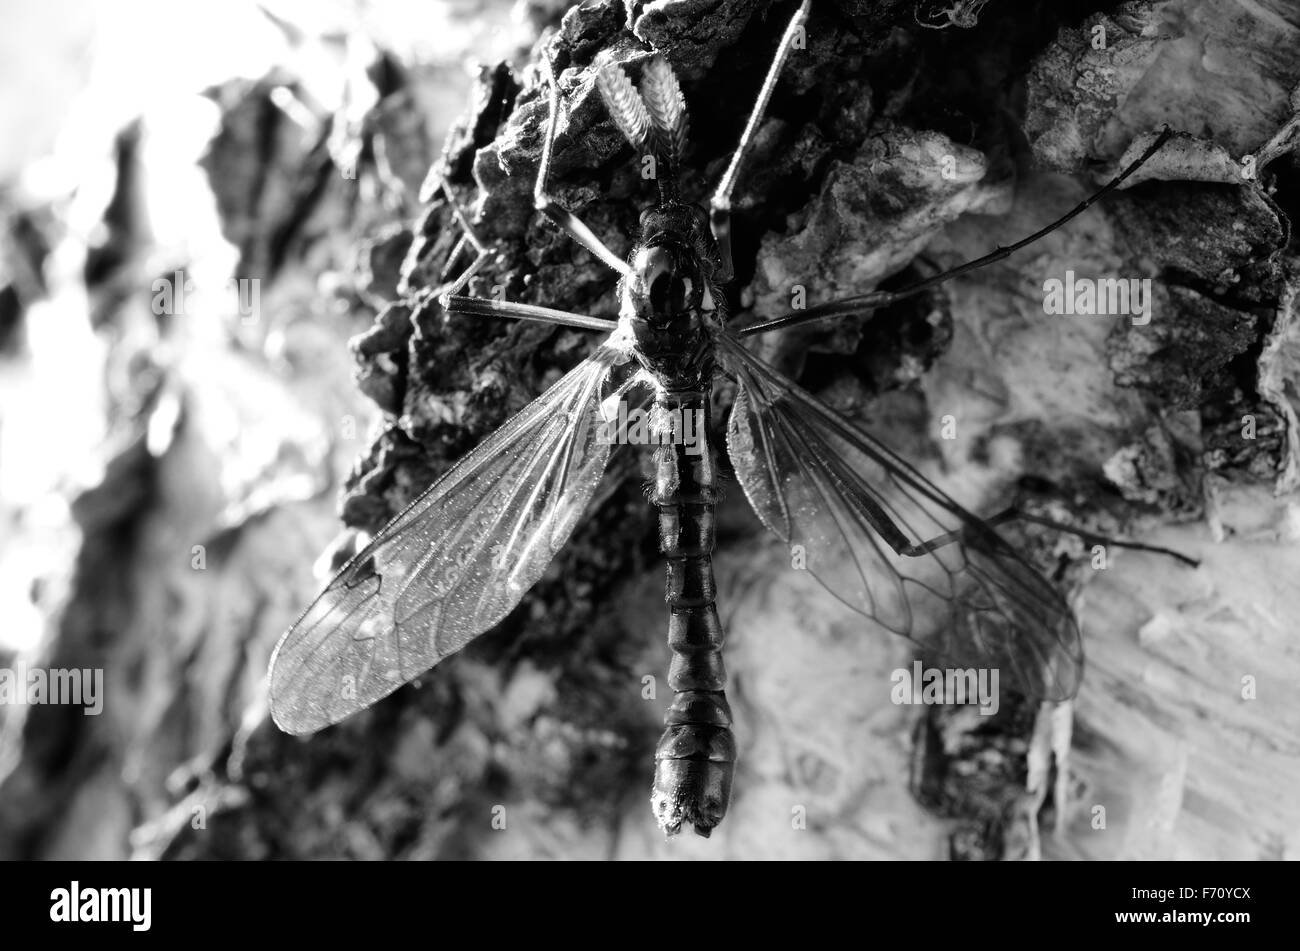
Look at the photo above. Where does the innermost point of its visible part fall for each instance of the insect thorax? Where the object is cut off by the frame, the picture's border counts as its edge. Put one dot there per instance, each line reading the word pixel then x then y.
pixel 670 299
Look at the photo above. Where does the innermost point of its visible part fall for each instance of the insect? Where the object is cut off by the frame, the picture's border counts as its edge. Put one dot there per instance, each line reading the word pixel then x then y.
pixel 876 532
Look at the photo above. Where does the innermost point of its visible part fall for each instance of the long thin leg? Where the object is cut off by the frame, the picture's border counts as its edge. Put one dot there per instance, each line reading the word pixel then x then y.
pixel 551 208
pixel 452 260
pixel 1014 513
pixel 480 307
pixel 868 302
pixel 720 203
pixel 481 251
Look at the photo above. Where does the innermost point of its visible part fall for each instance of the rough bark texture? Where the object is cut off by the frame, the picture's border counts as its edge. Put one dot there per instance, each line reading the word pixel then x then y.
pixel 891 149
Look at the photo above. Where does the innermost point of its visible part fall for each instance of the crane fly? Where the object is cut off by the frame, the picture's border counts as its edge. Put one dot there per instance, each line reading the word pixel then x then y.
pixel 876 533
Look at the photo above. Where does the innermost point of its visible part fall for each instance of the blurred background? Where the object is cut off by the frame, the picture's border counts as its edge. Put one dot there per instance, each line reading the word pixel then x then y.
pixel 157 168
pixel 216 244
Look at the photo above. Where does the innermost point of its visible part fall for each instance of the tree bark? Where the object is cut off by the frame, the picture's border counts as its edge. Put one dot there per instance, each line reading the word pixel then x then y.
pixel 903 138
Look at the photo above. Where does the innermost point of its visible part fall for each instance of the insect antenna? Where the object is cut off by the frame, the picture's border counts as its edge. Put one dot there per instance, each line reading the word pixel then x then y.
pixel 652 117
pixel 666 105
pixel 625 105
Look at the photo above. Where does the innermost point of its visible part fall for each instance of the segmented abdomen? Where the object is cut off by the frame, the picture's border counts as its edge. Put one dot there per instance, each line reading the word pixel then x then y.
pixel 695 758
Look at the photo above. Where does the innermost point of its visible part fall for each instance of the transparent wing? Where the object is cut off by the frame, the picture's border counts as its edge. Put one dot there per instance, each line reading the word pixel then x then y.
pixel 454 563
pixel 863 516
